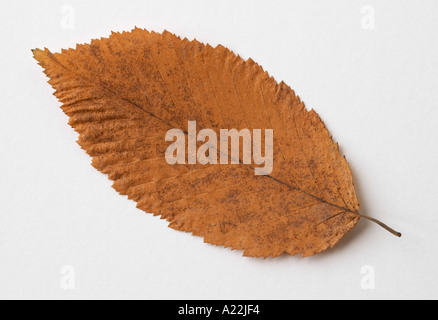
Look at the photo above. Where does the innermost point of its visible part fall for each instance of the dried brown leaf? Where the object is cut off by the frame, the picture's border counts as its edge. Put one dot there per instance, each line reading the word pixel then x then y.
pixel 124 92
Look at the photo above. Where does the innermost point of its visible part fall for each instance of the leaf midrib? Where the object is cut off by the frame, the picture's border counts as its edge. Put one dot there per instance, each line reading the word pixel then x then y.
pixel 118 95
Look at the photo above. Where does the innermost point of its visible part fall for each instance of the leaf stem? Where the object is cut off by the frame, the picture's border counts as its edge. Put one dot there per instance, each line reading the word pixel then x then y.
pixel 397 234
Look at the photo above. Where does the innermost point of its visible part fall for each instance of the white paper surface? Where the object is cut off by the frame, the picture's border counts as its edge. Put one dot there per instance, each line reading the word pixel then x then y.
pixel 369 68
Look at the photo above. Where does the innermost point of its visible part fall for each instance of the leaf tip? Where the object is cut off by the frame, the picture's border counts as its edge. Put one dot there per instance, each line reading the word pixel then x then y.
pixel 35 51
pixel 38 54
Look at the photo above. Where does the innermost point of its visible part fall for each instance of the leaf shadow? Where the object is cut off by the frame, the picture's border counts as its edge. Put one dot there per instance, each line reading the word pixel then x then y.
pixel 354 235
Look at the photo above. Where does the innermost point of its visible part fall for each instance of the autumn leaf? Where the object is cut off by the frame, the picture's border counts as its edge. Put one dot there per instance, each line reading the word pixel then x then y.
pixel 125 92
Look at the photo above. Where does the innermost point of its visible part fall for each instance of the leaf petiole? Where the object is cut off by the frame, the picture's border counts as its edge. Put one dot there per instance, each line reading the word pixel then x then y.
pixel 396 233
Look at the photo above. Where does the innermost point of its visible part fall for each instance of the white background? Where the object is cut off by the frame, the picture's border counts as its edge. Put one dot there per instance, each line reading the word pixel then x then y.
pixel 376 89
